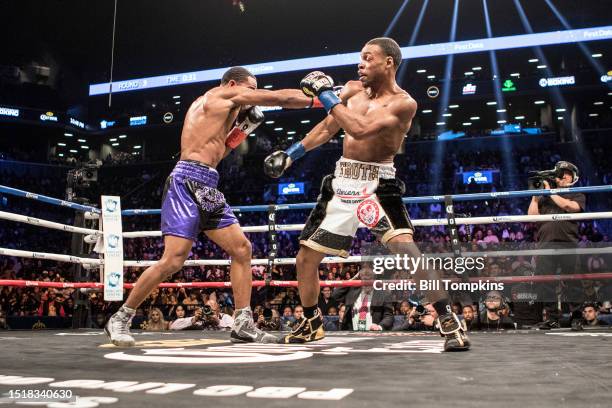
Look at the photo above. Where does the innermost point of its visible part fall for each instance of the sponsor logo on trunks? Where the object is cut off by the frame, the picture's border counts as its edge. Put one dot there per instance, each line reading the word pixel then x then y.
pixel 359 171
pixel 368 213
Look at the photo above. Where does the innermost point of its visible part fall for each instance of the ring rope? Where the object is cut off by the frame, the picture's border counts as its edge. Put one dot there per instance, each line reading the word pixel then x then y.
pixel 305 206
pixel 44 223
pixel 427 222
pixel 323 283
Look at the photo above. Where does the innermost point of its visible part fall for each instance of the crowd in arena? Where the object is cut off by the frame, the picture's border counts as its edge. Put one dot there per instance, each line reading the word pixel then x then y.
pixel 141 186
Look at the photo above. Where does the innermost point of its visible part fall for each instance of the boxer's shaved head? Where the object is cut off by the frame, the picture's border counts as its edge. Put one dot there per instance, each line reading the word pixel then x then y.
pixel 237 74
pixel 389 47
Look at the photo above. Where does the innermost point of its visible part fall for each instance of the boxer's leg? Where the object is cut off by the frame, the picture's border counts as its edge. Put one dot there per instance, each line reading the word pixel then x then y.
pixel 176 250
pixel 233 241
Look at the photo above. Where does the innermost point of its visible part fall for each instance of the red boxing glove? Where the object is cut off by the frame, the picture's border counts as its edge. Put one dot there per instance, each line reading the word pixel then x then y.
pixel 247 122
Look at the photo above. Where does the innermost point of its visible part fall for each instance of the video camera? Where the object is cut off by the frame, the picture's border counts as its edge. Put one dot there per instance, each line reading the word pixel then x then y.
pixel 536 181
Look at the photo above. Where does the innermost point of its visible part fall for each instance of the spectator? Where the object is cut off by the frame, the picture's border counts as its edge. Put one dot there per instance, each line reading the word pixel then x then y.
pixel 366 309
pixel 182 322
pixel 287 318
pixel 156 321
pixel 469 317
pixel 326 301
pixel 493 317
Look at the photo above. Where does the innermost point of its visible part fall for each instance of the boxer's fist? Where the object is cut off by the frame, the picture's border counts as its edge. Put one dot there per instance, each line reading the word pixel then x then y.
pixel 276 163
pixel 251 116
pixel 315 83
pixel 247 121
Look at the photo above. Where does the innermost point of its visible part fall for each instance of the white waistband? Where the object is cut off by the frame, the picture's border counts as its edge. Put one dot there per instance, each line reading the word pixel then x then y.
pixel 365 171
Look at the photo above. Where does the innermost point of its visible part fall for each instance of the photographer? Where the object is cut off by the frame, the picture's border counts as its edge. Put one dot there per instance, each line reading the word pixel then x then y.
pixel 269 320
pixel 213 319
pixel 557 235
pixel 564 174
pixel 420 318
pixel 186 323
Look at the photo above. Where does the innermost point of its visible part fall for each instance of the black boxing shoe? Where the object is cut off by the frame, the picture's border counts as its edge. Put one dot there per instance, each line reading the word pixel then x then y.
pixel 453 330
pixel 307 330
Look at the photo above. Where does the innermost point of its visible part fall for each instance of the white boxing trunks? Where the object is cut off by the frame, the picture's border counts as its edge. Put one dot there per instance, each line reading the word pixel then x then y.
pixel 357 192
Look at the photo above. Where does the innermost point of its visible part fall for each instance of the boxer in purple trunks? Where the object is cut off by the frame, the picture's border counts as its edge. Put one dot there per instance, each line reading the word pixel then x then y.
pixel 215 123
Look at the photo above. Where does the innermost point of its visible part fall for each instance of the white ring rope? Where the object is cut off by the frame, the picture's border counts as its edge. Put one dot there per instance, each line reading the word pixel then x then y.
pixel 44 223
pixel 428 222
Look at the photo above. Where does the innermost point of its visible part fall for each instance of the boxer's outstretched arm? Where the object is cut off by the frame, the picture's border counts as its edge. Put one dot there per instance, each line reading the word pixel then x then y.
pixel 397 114
pixel 286 98
pixel 321 133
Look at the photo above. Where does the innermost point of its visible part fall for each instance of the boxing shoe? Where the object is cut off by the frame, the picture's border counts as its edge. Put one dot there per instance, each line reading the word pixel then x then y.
pixel 307 330
pixel 118 327
pixel 453 330
pixel 244 329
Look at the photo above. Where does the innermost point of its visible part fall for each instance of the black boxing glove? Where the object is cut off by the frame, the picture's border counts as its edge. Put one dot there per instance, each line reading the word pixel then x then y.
pixel 276 163
pixel 317 84
pixel 246 122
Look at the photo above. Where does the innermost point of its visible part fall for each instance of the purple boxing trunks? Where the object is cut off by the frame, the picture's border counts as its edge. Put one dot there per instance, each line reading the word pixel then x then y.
pixel 191 202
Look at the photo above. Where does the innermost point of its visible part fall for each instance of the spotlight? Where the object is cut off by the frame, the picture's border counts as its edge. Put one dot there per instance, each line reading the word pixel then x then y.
pixel 426 111
pixel 421 71
pixel 475 118
pixel 440 123
pixel 541 67
pixel 519 117
pixel 539 102
pixel 597 55
pixel 491 103
pixel 453 106
pixel 515 74
pixel 534 60
pixel 467 123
